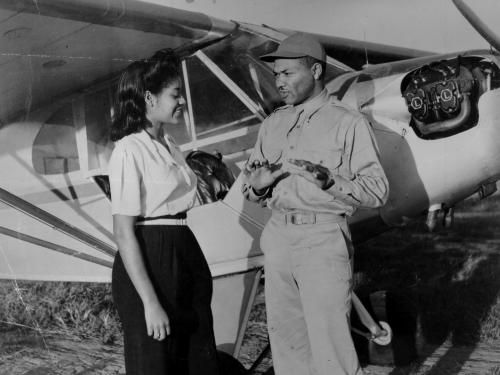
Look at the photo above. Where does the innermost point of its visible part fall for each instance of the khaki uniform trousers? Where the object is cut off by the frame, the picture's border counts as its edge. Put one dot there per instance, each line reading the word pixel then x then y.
pixel 308 296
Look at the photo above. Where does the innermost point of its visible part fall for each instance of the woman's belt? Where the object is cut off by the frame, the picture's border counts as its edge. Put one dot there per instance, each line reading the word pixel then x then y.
pixel 177 219
pixel 300 218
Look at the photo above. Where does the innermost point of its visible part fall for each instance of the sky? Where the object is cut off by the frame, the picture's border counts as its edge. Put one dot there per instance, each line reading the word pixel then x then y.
pixel 432 25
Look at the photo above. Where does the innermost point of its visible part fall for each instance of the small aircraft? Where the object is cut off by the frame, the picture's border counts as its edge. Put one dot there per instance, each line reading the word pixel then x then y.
pixel 436 119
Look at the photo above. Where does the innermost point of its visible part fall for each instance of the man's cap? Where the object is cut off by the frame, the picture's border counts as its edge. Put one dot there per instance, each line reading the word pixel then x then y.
pixel 295 46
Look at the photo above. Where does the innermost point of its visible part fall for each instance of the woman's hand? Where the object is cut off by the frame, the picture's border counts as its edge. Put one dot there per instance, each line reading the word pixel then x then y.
pixel 157 322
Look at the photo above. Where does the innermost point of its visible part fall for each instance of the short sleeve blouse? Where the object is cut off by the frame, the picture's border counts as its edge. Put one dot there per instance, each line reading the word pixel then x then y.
pixel 146 179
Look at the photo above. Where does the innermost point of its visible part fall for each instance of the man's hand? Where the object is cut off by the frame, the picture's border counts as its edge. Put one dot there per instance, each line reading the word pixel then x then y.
pixel 315 173
pixel 260 174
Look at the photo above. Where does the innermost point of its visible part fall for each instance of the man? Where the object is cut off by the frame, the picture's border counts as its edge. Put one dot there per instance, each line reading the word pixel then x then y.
pixel 315 161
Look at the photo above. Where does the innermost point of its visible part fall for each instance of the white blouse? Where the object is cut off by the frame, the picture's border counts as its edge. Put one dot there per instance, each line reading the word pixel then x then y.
pixel 147 180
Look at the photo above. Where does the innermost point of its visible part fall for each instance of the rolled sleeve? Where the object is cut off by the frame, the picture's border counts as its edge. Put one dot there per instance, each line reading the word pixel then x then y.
pixel 125 184
pixel 367 185
pixel 257 154
pixel 250 194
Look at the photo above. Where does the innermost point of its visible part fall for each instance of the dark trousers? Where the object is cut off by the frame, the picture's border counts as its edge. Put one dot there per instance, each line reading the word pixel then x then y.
pixel 183 283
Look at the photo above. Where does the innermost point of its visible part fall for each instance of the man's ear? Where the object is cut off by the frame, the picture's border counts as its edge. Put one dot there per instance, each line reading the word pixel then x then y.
pixel 317 71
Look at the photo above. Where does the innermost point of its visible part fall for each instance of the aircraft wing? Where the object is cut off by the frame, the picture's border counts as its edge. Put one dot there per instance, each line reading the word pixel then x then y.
pixel 352 54
pixel 50 48
pixel 357 54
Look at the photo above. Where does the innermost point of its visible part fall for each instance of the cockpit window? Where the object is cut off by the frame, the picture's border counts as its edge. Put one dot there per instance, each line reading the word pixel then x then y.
pixel 238 57
pixel 54 148
pixel 215 108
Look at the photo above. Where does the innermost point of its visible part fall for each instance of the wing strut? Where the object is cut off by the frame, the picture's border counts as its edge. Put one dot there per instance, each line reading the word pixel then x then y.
pixel 190 115
pixel 54 222
pixel 55 247
pixel 231 85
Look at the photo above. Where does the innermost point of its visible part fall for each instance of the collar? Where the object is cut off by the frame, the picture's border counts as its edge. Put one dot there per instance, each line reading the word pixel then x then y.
pixel 310 106
pixel 144 136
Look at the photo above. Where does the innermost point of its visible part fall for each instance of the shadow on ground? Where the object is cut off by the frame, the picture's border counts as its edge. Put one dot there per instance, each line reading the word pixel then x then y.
pixel 440 288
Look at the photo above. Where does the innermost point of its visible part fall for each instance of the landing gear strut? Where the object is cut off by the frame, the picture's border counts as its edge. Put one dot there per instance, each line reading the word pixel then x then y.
pixel 380 333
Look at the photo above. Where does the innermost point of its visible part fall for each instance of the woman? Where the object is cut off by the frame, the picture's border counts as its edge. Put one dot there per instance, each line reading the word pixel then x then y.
pixel 161 282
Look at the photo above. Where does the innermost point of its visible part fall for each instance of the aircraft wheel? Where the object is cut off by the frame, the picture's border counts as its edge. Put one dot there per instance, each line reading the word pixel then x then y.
pixel 229 365
pixel 386 339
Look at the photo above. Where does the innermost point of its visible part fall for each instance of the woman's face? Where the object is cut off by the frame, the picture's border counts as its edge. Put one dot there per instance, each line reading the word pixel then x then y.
pixel 167 106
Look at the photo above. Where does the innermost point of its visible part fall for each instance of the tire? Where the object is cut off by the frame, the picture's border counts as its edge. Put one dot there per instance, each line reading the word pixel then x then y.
pixel 228 365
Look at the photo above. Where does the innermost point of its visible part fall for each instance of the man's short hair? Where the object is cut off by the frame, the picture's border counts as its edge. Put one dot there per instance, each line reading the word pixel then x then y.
pixel 310 61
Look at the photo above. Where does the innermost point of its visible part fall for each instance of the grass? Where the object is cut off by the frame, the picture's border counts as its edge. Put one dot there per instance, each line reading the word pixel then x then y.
pixel 77 309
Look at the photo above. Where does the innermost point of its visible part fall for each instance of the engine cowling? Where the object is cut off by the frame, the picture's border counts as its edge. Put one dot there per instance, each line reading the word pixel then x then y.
pixel 441 98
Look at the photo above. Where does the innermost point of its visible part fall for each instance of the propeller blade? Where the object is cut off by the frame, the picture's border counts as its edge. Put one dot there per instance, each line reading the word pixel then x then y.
pixel 489 35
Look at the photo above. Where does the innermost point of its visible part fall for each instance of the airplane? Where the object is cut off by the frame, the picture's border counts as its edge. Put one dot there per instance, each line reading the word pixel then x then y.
pixel 435 118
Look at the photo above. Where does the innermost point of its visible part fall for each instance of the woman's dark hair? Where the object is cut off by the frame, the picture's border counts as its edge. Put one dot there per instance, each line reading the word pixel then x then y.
pixel 214 177
pixel 153 75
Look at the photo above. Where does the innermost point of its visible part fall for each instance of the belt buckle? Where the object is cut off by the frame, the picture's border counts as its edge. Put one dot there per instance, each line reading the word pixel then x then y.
pixel 312 218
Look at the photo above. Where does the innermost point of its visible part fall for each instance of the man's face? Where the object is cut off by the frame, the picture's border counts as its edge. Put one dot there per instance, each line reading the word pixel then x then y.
pixel 294 80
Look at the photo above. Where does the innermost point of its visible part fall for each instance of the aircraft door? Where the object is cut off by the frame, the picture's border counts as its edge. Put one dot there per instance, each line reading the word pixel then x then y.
pixel 54 147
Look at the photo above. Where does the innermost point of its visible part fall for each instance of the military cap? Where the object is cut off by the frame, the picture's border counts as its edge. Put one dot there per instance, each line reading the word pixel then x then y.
pixel 295 46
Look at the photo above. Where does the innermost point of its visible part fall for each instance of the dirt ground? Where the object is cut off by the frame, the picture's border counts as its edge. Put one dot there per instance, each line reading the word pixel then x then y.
pixel 455 316
pixel 57 355
pixel 34 354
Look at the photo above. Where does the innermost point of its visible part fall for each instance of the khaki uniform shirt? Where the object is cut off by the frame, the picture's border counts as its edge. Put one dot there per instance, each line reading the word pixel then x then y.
pixel 323 131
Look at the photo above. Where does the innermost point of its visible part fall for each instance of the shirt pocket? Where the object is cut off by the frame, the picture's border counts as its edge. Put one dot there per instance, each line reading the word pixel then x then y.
pixel 271 152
